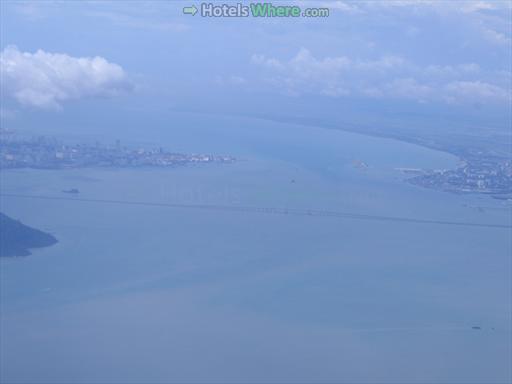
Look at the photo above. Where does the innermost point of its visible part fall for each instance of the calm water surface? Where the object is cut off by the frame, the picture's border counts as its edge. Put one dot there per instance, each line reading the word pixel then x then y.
pixel 139 293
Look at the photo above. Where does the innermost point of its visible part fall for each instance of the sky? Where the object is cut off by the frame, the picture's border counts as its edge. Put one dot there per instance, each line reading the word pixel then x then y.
pixel 400 61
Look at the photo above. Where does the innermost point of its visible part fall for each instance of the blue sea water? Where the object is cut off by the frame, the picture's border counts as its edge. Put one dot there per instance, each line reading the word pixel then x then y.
pixel 140 293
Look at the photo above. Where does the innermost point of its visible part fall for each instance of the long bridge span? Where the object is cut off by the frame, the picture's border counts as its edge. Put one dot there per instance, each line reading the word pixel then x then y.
pixel 266 210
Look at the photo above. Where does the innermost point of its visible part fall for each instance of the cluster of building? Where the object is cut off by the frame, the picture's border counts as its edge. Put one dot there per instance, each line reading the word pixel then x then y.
pixel 49 153
pixel 487 175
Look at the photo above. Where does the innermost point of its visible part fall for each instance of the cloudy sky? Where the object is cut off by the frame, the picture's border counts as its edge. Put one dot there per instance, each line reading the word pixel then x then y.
pixel 414 58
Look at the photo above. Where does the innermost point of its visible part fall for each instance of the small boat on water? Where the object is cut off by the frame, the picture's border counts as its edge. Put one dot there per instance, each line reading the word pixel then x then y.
pixel 72 191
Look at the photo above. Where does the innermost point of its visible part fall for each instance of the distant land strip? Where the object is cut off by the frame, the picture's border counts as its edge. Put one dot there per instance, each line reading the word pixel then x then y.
pixel 266 210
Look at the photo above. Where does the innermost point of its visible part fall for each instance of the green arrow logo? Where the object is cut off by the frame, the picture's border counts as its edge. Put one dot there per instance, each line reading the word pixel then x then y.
pixel 190 10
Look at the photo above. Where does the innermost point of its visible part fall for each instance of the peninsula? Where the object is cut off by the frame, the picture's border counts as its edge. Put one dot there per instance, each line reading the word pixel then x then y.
pixel 49 153
pixel 16 239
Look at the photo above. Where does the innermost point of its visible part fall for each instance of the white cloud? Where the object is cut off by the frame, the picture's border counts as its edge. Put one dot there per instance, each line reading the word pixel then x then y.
pixel 475 91
pixel 385 63
pixel 496 37
pixel 306 74
pixel 405 88
pixel 386 77
pixel 269 63
pixel 476 6
pixel 30 11
pixel 46 80
pixel 451 71
pixel 465 6
pixel 339 5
